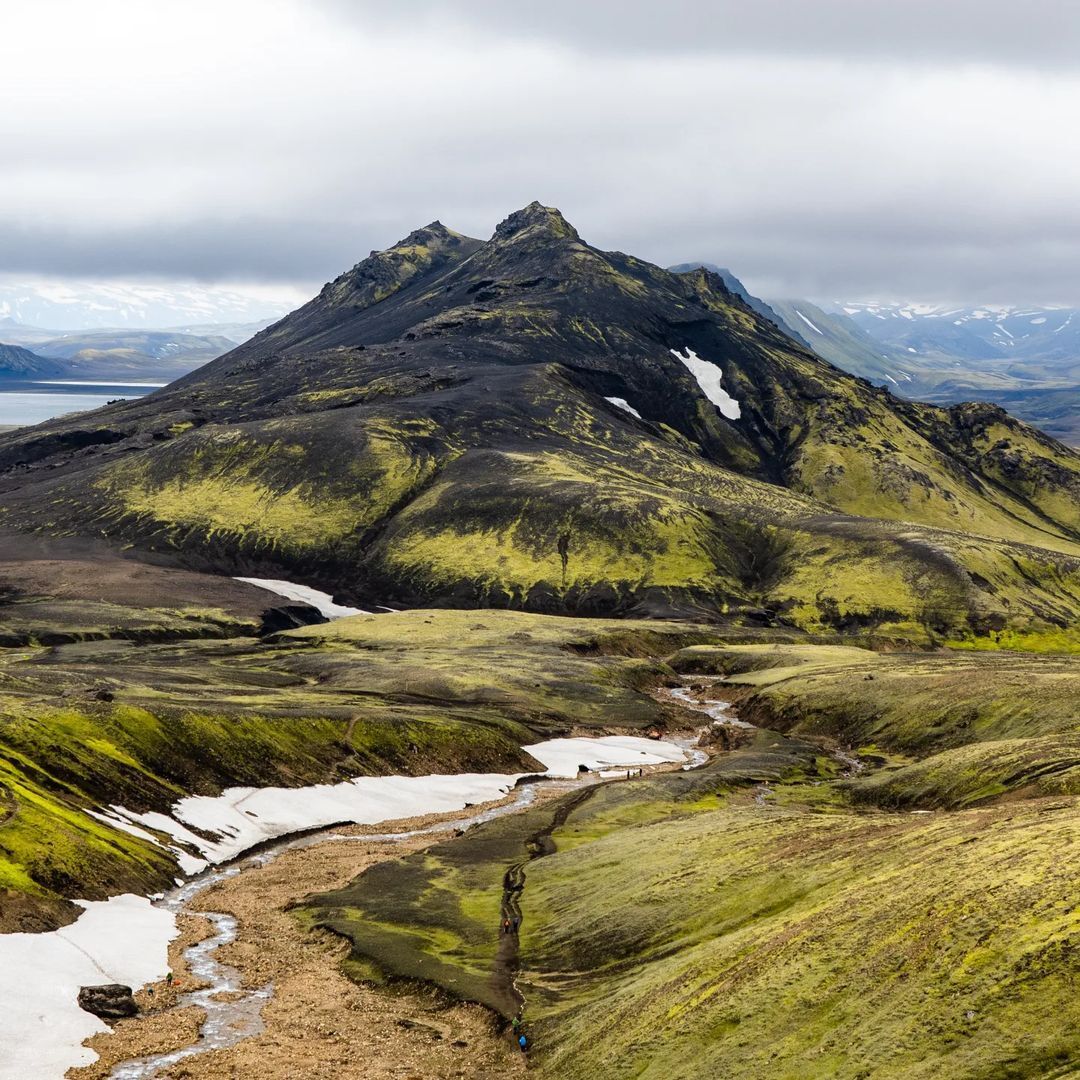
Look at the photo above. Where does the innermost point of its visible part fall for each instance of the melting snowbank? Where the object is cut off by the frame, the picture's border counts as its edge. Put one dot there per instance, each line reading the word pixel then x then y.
pixel 708 377
pixel 322 602
pixel 563 757
pixel 242 817
pixel 124 939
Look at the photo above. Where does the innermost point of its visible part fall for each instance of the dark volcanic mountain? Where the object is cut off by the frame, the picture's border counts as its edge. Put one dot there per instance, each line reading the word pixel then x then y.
pixel 532 422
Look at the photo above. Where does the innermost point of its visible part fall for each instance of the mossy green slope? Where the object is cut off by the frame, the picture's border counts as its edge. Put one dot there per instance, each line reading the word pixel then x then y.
pixel 757 941
pixel 955 729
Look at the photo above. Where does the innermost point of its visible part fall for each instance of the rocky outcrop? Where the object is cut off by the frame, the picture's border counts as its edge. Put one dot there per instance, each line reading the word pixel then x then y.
pixel 112 1001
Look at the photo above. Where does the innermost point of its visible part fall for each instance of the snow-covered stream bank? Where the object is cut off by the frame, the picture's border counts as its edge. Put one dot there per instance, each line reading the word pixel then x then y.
pixel 125 939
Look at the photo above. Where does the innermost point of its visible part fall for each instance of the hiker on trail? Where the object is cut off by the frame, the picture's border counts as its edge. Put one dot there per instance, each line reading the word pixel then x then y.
pixel 168 979
pixel 506 926
pixel 516 1024
pixel 523 1043
pixel 516 923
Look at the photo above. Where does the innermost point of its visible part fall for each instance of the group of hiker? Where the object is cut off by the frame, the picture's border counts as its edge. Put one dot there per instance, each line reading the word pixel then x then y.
pixel 519 1034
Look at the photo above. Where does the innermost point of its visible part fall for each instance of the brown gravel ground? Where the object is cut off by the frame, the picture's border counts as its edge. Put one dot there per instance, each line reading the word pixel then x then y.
pixel 319 1024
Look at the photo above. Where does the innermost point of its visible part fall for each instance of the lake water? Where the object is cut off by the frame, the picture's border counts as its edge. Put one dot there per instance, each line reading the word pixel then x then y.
pixel 34 402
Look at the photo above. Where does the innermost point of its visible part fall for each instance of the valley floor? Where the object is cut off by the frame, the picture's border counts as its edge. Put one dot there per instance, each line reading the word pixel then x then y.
pixel 319 1024
pixel 874 881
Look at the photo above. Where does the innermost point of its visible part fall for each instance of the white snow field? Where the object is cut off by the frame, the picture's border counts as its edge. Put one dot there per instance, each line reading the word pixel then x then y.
pixel 622 403
pixel 708 377
pixel 564 756
pixel 322 602
pixel 124 939
pixel 241 817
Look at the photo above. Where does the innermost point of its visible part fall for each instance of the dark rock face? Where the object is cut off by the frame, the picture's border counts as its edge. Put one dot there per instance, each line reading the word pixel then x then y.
pixel 113 1001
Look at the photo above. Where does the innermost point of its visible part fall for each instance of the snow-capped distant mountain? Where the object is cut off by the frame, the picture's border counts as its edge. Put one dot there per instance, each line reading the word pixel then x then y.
pixel 1051 335
pixel 65 305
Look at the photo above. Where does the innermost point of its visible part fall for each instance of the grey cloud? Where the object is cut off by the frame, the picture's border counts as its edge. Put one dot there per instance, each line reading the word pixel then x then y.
pixel 196 250
pixel 1038 33
pixel 806 170
pixel 909 257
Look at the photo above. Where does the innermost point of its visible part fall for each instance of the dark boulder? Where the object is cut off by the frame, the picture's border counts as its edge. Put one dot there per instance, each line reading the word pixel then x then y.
pixel 289 617
pixel 111 1002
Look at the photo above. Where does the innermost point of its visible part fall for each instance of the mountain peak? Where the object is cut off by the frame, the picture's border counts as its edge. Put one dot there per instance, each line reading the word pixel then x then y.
pixel 535 219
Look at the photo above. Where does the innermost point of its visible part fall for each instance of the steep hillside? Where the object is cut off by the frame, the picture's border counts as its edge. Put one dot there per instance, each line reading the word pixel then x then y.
pixel 841 341
pixel 531 422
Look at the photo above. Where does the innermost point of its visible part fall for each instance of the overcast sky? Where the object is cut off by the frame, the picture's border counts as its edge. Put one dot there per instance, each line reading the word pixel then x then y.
pixel 888 149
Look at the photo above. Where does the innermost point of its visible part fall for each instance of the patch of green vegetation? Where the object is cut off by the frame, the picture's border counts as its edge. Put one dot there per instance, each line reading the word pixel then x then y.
pixel 1048 640
pixel 920 703
pixel 979 772
pixel 771 941
pixel 232 485
pixel 987 725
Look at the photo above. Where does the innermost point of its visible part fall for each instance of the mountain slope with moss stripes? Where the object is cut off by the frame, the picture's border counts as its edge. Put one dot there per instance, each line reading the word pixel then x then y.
pixel 444 424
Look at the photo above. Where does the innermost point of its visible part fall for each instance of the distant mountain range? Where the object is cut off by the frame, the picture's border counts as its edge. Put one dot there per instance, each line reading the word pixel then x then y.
pixel 103 305
pixel 1024 359
pixel 1049 336
pixel 161 355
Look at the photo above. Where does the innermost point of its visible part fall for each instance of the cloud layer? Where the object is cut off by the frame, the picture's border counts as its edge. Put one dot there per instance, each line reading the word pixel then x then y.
pixel 843 148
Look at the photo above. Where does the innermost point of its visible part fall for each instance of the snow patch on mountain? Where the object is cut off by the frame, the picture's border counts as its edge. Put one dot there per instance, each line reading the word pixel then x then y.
pixel 808 322
pixel 708 377
pixel 622 403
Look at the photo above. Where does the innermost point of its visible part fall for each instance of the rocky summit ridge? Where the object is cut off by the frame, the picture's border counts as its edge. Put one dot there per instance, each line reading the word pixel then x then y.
pixel 527 422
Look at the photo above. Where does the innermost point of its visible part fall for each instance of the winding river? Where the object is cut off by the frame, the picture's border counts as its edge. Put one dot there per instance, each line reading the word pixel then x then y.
pixel 234 1013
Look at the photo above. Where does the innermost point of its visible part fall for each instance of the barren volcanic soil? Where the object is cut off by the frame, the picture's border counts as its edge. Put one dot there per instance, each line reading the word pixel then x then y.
pixel 319 1024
